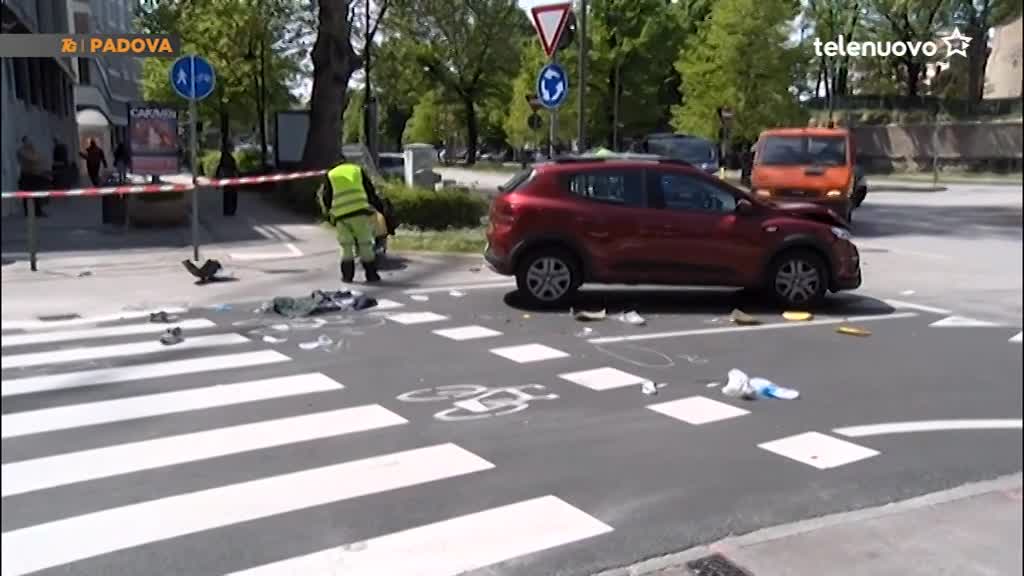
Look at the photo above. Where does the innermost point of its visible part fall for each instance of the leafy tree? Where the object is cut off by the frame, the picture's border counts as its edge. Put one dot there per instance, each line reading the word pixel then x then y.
pixel 739 59
pixel 399 85
pixel 977 18
pixel 832 19
pixel 468 48
pixel 908 21
pixel 433 121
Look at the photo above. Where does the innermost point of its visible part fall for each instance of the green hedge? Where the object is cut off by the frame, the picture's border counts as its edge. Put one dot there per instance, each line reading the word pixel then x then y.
pixel 435 210
pixel 247 160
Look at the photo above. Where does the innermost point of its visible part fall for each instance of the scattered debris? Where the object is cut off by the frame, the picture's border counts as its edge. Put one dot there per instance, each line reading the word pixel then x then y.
pixel 694 359
pixel 853 331
pixel 419 297
pixel 321 302
pixel 797 316
pixel 712 384
pixel 649 388
pixel 274 339
pixel 589 316
pixel 586 332
pixel 210 271
pixel 742 318
pixel 280 327
pixel 907 293
pixel 322 342
pixel 84 274
pixel 632 318
pixel 307 323
pixel 264 308
pixel 742 386
pixel 457 293
pixel 715 320
pixel 162 317
pixel 220 307
pixel 474 269
pixel 172 336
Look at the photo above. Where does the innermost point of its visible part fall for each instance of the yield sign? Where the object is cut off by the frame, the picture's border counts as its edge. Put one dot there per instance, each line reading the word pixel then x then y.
pixel 550 20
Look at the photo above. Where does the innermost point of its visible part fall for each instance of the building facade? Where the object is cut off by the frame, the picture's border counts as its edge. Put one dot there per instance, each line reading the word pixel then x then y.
pixel 1003 78
pixel 37 98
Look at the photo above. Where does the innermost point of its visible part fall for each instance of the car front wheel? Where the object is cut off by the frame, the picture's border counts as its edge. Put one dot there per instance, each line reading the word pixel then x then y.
pixel 798 278
pixel 548 277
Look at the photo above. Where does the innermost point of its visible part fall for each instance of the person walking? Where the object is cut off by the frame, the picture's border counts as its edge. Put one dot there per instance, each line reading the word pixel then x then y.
pixel 95 159
pixel 121 162
pixel 228 168
pixel 32 177
pixel 348 199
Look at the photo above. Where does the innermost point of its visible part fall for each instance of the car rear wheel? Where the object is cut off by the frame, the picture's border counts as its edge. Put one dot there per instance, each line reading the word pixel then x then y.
pixel 798 278
pixel 548 277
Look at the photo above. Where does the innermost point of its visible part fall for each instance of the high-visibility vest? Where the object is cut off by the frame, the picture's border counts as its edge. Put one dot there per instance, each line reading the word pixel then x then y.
pixel 348 194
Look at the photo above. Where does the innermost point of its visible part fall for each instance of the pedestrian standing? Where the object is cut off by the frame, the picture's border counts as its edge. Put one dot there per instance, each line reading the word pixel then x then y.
pixel 31 177
pixel 121 162
pixel 348 199
pixel 95 160
pixel 228 168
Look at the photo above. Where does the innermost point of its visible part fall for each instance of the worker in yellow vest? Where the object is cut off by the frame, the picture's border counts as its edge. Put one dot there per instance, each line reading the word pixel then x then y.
pixel 348 199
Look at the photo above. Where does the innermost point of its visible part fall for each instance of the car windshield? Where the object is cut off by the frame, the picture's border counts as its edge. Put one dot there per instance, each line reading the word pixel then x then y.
pixel 692 150
pixel 803 151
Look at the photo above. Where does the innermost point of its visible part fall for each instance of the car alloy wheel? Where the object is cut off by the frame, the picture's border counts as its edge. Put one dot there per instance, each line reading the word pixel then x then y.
pixel 797 281
pixel 548 279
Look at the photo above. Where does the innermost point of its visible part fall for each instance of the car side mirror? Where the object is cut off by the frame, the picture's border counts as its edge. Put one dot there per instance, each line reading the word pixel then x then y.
pixel 744 207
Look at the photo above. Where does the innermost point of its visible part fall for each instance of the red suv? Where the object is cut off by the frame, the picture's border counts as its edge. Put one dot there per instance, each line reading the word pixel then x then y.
pixel 649 220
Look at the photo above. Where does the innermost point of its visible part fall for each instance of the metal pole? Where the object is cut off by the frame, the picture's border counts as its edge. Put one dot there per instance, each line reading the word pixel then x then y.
pixel 935 149
pixel 193 144
pixel 581 134
pixel 33 236
pixel 553 125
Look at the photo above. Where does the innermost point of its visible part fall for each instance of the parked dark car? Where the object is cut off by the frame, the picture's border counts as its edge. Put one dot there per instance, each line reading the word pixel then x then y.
pixel 646 220
pixel 700 152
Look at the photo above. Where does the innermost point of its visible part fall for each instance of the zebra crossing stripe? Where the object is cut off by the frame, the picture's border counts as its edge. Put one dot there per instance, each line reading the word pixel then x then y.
pixel 68 380
pixel 63 469
pixel 115 317
pixel 124 409
pixel 101 332
pixel 452 546
pixel 118 351
pixel 72 539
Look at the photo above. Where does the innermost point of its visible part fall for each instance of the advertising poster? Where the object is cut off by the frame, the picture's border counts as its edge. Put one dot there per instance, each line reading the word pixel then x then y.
pixel 153 139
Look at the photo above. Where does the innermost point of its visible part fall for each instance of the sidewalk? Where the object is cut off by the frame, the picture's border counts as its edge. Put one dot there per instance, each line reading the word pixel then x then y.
pixel 966 531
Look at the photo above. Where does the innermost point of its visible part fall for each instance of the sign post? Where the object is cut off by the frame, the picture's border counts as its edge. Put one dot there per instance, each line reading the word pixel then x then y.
pixel 552 83
pixel 193 79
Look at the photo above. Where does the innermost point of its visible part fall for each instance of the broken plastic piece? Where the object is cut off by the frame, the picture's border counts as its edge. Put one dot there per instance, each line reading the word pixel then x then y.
pixel 172 336
pixel 742 318
pixel 768 389
pixel 797 316
pixel 907 293
pixel 589 316
pixel 221 307
pixel 84 274
pixel 649 388
pixel 632 318
pixel 281 327
pixel 694 359
pixel 419 297
pixel 274 340
pixel 162 317
pixel 585 332
pixel 321 342
pixel 853 331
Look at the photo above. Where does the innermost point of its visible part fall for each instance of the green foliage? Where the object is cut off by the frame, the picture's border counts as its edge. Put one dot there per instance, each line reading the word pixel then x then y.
pixel 247 160
pixel 723 66
pixel 430 210
pixel 433 121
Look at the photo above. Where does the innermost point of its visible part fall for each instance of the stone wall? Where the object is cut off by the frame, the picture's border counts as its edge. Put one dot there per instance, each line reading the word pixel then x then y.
pixel 996 147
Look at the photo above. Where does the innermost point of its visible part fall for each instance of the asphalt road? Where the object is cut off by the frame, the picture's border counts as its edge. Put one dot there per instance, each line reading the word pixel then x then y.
pixel 123 456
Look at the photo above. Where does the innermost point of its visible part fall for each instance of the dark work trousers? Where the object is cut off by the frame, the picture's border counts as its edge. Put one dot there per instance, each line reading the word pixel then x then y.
pixel 230 200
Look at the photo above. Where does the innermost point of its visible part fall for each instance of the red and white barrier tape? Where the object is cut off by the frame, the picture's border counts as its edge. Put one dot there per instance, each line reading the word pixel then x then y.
pixel 105 191
pixel 154 188
pixel 243 180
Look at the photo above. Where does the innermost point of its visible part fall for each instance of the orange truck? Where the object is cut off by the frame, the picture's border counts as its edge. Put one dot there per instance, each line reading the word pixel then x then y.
pixel 815 165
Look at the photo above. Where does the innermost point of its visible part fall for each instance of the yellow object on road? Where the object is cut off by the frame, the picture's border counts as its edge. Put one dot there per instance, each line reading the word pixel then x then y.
pixel 797 316
pixel 853 331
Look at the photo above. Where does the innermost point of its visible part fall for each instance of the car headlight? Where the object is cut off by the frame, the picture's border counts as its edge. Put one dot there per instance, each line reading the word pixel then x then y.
pixel 834 193
pixel 841 233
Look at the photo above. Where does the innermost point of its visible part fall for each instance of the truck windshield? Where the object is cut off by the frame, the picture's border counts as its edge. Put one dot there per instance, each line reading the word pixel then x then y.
pixel 803 151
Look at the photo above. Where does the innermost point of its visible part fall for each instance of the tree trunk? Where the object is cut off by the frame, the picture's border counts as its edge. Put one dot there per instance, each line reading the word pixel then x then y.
pixel 913 77
pixel 472 130
pixel 977 59
pixel 334 60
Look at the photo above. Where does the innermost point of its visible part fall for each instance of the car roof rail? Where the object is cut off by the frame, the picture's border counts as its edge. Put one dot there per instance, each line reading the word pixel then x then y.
pixel 618 157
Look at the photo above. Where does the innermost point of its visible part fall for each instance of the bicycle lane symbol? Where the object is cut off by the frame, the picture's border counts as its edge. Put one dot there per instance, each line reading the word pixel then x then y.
pixel 474 402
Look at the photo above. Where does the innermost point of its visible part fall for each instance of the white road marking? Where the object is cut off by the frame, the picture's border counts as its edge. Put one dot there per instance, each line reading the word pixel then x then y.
pixel 919 307
pixel 755 328
pixel 136 407
pixel 385 304
pixel 115 317
pixel 119 350
pixel 698 410
pixel 102 332
pixel 63 541
pixel 818 450
pixel 462 287
pixel 1017 338
pixel 17 386
pixel 961 322
pixel 467 333
pixel 74 467
pixel 293 252
pixel 416 317
pixel 453 546
pixel 605 378
pixel 927 426
pixel 529 353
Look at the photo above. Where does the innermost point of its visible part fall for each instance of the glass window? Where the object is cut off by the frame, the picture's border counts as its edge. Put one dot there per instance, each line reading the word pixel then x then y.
pixel 517 181
pixel 803 151
pixel 623 187
pixel 691 150
pixel 691 194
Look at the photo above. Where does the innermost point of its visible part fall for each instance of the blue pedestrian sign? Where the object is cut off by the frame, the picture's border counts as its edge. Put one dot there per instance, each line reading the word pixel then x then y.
pixel 552 86
pixel 192 77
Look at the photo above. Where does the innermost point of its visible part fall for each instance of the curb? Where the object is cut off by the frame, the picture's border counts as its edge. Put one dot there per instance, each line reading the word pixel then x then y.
pixel 678 560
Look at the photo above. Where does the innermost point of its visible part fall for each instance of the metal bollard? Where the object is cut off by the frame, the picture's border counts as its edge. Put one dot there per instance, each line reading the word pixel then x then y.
pixel 33 238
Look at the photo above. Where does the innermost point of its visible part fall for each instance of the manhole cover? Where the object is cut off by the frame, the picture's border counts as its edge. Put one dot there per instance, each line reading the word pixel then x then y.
pixel 58 317
pixel 715 565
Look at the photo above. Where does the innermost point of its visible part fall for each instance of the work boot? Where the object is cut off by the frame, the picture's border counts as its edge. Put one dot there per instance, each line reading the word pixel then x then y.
pixel 371 272
pixel 348 270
